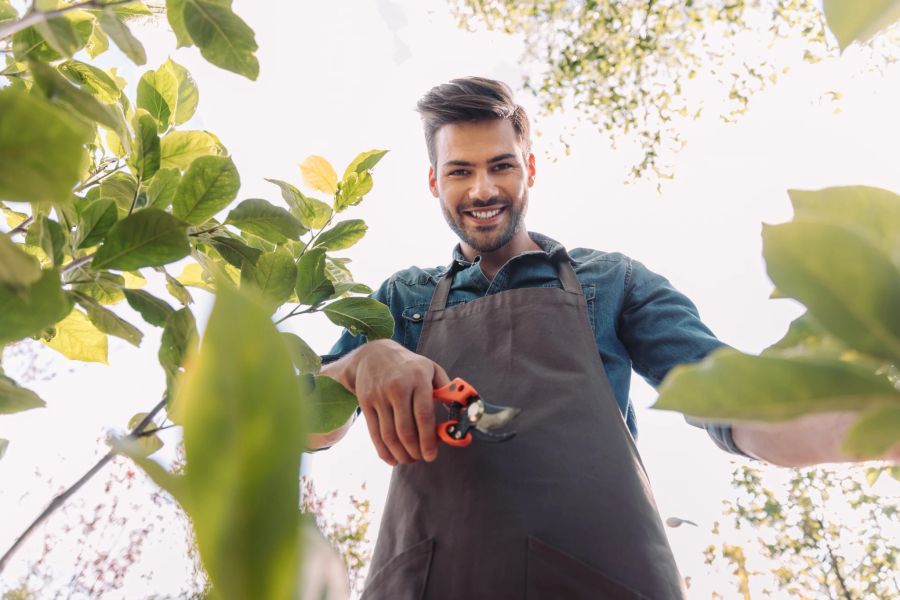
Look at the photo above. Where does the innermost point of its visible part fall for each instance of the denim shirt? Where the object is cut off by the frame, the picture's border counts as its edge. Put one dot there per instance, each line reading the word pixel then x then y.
pixel 639 320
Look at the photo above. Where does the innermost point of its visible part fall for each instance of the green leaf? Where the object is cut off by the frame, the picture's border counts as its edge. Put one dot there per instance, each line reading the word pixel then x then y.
pixel 180 148
pixel 243 436
pixel 106 288
pixel 365 316
pixel 157 93
pixel 188 93
pixel 40 149
pixel 859 20
pixel 304 358
pixel 179 339
pixel 806 336
pixel 175 15
pixel 18 269
pixel 4 444
pixel 122 189
pixel 145 159
pixel 274 275
pixel 330 404
pixel 153 310
pixel 147 444
pixel 313 286
pixel 348 287
pixel 77 338
pixel 14 398
pixel 234 251
pixel 342 235
pixel 729 385
pixel 7 11
pixel 178 291
pixel 52 239
pixel 66 34
pixel 265 220
pixel 846 282
pixel 94 222
pixel 97 43
pixel 147 238
pixel 208 186
pixel 122 37
pixel 27 312
pixel 319 174
pixel 363 162
pixel 162 188
pixel 97 81
pixel 109 322
pixel 352 190
pixel 312 213
pixel 224 38
pixel 871 212
pixel 876 432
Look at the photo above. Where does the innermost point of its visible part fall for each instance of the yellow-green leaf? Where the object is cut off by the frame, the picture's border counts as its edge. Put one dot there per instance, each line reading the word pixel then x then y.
pixel 319 174
pixel 18 269
pixel 14 398
pixel 27 312
pixel 859 20
pixel 78 339
pixel 180 148
pixel 330 404
pixel 224 38
pixel 363 162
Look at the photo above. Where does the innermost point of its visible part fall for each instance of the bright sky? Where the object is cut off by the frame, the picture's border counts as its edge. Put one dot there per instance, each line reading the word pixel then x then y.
pixel 341 77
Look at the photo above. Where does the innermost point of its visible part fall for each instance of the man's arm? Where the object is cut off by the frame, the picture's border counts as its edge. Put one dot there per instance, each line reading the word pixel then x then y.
pixel 807 440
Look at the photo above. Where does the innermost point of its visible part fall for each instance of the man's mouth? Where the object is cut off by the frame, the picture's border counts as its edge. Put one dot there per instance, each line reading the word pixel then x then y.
pixel 484 215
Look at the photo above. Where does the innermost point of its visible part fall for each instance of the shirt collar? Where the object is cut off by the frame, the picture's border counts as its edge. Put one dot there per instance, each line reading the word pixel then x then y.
pixel 548 246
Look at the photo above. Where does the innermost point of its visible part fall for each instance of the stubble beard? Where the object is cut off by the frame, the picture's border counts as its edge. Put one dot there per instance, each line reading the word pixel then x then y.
pixel 488 242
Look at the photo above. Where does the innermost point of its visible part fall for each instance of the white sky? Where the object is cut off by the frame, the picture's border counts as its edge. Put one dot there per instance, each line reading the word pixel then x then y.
pixel 337 78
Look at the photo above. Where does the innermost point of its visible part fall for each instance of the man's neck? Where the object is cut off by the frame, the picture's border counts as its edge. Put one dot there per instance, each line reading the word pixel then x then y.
pixel 491 262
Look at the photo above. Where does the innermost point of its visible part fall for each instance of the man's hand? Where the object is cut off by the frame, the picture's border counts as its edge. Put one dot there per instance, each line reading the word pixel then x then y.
pixel 395 391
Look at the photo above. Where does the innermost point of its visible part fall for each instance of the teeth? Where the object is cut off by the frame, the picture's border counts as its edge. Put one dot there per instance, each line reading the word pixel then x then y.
pixel 485 214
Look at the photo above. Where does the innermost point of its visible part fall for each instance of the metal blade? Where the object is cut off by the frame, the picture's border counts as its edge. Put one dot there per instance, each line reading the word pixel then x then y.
pixel 494 417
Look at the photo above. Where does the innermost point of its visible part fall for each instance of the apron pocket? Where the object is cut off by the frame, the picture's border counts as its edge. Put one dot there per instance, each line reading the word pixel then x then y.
pixel 552 574
pixel 404 576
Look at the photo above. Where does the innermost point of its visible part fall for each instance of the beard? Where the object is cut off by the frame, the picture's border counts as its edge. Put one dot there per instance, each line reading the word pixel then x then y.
pixel 489 238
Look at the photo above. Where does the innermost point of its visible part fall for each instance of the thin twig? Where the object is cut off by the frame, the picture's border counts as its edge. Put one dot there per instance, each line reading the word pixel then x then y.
pixel 34 16
pixel 98 177
pixel 21 227
pixel 61 498
pixel 77 263
pixel 294 312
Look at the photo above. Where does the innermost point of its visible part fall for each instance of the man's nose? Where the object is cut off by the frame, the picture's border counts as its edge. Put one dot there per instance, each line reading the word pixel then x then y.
pixel 483 187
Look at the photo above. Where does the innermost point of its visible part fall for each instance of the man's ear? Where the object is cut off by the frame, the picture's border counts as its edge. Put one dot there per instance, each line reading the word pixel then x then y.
pixel 432 182
pixel 531 169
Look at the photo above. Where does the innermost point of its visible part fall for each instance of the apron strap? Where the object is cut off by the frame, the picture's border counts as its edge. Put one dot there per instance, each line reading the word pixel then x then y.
pixel 564 270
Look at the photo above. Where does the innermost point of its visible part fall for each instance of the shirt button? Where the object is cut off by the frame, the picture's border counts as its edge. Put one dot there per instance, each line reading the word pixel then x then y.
pixel 417 316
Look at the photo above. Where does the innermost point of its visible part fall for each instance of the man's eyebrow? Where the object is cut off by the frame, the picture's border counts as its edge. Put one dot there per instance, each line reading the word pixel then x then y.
pixel 465 163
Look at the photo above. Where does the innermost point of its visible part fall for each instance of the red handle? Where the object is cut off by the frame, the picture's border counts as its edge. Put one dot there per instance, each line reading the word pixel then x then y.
pixel 459 390
pixel 443 431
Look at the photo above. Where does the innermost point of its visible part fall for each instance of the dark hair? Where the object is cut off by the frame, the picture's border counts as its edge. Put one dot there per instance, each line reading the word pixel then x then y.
pixel 471 99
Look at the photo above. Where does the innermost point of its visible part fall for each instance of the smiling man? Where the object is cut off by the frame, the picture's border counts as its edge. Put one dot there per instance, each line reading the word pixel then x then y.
pixel 563 510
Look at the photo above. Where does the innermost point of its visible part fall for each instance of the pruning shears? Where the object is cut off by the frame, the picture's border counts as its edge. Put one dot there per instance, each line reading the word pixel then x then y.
pixel 470 416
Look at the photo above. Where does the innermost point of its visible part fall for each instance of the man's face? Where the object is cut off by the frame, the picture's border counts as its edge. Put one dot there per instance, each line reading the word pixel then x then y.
pixel 481 178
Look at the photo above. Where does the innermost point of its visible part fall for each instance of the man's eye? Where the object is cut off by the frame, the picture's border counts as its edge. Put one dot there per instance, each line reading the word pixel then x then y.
pixel 458 172
pixel 502 166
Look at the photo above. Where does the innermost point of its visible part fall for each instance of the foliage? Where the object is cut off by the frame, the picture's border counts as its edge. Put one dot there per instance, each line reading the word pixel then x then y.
pixel 103 194
pixel 787 540
pixel 627 65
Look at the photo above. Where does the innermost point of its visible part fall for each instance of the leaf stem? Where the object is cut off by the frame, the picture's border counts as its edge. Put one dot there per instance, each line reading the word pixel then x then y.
pixel 35 16
pixel 294 312
pixel 77 263
pixel 21 227
pixel 98 177
pixel 61 498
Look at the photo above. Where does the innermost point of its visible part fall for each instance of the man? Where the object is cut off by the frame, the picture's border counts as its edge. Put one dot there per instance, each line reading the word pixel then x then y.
pixel 564 510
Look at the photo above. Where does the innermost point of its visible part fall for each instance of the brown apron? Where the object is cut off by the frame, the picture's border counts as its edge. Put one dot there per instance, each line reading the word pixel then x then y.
pixel 564 509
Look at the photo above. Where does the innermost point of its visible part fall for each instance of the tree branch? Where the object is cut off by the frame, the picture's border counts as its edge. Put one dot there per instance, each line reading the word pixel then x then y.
pixel 61 498
pixel 77 263
pixel 34 16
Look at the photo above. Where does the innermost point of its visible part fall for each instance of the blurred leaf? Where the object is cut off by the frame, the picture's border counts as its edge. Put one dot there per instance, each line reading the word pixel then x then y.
pixel 806 336
pixel 78 339
pixel 876 432
pixel 193 275
pixel 234 251
pixel 122 189
pixel 265 220
pixel 243 436
pixel 4 444
pixel 208 186
pixel 352 190
pixel 180 148
pixel 148 444
pixel 95 221
pixel 846 282
pixel 175 15
pixel 273 275
pixel 346 287
pixel 319 174
pixel 109 322
pixel 304 358
pixel 342 235
pixel 363 162
pixel 177 289
pixel 61 33
pixel 51 238
pixel 313 286
pixel 859 20
pixel 100 84
pixel 18 269
pixel 224 38
pixel 365 316
pixel 29 311
pixel 729 385
pixel 106 288
pixel 145 159
pixel 312 213
pixel 122 37
pixel 331 404
pixel 97 43
pixel 7 11
pixel 154 310
pixel 162 188
pixel 14 398
pixel 179 339
pixel 147 238
pixel 40 149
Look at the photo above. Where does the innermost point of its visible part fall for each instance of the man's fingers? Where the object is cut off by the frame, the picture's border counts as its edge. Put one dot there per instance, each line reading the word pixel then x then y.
pixel 423 412
pixel 405 426
pixel 440 377
pixel 372 422
pixel 389 434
